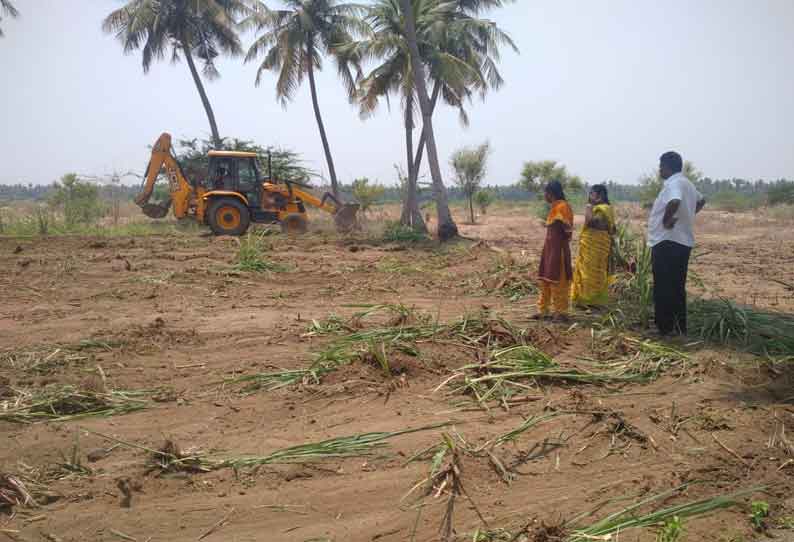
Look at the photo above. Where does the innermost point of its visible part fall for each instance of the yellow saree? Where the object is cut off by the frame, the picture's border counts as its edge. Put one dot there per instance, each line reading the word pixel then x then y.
pixel 591 272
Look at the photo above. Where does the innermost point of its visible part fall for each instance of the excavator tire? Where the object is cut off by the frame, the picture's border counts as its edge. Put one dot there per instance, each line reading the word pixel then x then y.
pixel 294 224
pixel 228 216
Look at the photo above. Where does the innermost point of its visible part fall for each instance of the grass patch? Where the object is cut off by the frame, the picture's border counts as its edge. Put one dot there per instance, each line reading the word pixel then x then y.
pixel 251 255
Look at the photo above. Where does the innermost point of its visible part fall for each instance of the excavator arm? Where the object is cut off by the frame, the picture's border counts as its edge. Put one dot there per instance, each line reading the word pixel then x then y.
pixel 344 213
pixel 180 190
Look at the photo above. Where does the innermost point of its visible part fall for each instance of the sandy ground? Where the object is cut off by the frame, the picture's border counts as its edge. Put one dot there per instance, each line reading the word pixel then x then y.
pixel 169 311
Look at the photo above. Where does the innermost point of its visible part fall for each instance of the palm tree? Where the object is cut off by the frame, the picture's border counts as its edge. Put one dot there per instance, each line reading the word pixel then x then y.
pixel 204 28
pixel 7 8
pixel 395 76
pixel 293 44
pixel 447 229
pixel 459 50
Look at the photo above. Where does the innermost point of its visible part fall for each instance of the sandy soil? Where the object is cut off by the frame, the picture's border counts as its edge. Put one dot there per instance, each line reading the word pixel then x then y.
pixel 170 312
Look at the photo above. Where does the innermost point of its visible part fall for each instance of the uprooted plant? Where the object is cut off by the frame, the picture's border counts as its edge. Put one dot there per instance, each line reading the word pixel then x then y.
pixel 66 403
pixel 403 331
pixel 445 479
pixel 509 371
pixel 171 457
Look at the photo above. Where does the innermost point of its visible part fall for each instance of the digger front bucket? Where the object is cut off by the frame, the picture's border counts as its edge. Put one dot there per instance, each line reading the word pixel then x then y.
pixel 346 218
pixel 156 210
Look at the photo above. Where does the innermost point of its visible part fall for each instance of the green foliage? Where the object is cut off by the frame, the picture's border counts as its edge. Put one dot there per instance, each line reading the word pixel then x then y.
pixel 736 202
pixel 723 321
pixel 536 175
pixel 287 165
pixel 651 184
pixel 483 199
pixel 399 233
pixel 367 194
pixel 671 531
pixel 251 255
pixel 78 200
pixel 470 166
pixel 781 193
pixel 634 288
pixel 759 511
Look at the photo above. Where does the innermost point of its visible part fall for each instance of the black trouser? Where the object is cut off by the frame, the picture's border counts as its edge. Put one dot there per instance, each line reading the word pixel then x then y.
pixel 670 266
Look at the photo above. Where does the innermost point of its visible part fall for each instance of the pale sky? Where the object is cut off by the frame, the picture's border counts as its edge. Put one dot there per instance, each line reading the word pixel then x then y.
pixel 603 86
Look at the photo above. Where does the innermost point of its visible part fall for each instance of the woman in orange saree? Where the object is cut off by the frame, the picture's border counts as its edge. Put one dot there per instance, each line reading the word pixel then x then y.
pixel 556 271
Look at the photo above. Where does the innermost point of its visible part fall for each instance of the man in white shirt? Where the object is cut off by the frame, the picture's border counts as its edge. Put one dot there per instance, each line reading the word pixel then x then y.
pixel 671 238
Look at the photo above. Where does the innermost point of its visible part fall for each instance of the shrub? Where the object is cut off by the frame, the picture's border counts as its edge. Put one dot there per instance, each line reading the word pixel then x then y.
pixel 367 194
pixel 735 202
pixel 398 233
pixel 781 193
pixel 78 200
pixel 483 199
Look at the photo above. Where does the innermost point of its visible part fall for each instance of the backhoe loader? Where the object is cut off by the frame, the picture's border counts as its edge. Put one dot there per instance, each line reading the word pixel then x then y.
pixel 234 194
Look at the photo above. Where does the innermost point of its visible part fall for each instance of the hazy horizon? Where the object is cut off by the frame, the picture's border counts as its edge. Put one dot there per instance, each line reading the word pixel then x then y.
pixel 603 87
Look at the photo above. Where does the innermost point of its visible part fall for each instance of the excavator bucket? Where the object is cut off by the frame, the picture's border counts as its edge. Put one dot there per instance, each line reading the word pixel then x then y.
pixel 345 217
pixel 156 210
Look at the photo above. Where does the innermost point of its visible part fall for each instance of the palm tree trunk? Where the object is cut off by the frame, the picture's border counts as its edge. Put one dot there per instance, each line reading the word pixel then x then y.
pixel 328 158
pixel 422 139
pixel 410 213
pixel 447 229
pixel 216 138
pixel 471 207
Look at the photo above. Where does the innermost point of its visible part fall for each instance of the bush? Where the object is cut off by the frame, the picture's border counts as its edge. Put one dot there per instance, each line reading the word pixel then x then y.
pixel 781 193
pixel 398 233
pixel 367 194
pixel 736 202
pixel 78 200
pixel 483 199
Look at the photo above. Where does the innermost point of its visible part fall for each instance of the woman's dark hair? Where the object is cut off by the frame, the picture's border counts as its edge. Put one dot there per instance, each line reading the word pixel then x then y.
pixel 555 189
pixel 601 190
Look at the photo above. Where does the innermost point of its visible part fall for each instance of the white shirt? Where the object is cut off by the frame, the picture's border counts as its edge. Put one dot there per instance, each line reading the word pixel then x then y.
pixel 675 187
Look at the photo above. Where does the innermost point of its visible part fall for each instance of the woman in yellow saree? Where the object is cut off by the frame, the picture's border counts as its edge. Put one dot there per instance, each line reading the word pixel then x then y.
pixel 591 272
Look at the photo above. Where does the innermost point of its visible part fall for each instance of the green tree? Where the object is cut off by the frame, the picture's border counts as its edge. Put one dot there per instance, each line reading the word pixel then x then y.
pixel 78 200
pixel 460 52
pixel 287 165
pixel 293 44
pixel 484 199
pixel 367 194
pixel 536 175
pixel 651 184
pixel 470 165
pixel 7 9
pixel 204 28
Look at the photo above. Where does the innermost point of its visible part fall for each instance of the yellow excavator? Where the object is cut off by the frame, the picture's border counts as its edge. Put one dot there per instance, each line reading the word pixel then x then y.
pixel 234 194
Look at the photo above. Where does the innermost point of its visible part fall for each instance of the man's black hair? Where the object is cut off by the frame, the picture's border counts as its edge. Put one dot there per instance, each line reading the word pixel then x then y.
pixel 555 189
pixel 673 161
pixel 601 190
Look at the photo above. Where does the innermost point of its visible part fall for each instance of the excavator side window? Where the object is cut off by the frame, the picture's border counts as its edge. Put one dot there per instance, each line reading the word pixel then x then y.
pixel 247 178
